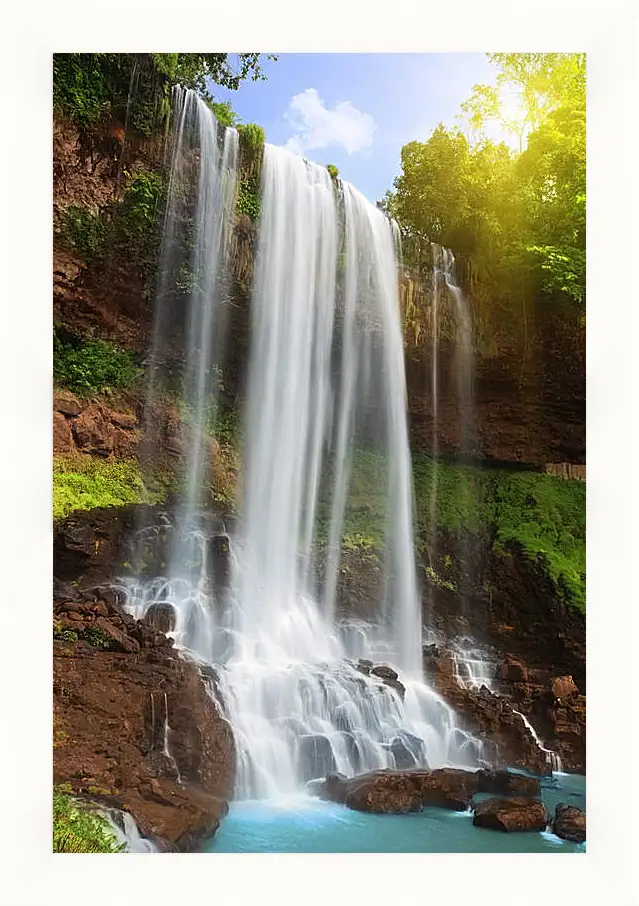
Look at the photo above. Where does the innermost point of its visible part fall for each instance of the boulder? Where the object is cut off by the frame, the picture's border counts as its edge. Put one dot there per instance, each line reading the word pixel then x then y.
pixel 67 403
pixel 315 756
pixel 161 616
pixel 569 823
pixel 517 814
pixel 102 731
pixel 384 672
pixel 400 791
pixel 505 783
pixel 563 687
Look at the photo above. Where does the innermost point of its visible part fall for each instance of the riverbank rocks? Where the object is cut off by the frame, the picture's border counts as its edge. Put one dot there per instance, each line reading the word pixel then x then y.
pixel 120 691
pixel 511 815
pixel 399 792
pixel 569 823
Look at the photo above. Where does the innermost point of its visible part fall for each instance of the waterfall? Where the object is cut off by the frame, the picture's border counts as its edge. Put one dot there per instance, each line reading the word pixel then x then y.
pixel 326 403
pixel 551 757
pixel 444 275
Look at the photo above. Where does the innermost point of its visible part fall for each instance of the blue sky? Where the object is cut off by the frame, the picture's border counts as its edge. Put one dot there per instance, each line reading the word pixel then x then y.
pixel 357 110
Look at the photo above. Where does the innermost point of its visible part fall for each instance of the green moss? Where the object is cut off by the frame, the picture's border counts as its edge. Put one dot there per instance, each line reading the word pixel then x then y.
pixel 87 367
pixel 83 483
pixel 78 829
pixel 539 515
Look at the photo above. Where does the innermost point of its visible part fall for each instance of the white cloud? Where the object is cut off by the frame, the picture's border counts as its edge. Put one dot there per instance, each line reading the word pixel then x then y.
pixel 315 126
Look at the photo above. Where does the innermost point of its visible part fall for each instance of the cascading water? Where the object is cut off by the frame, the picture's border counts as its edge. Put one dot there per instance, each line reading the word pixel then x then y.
pixel 444 275
pixel 551 757
pixel 326 389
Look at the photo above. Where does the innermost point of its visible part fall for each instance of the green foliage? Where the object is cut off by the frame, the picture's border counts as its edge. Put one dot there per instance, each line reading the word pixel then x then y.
pixel 63 635
pixel 84 231
pixel 333 171
pixel 251 138
pixel 142 199
pixel 517 221
pixel 82 483
pixel 91 366
pixel 135 219
pixel 96 637
pixel 84 85
pixel 78 829
pixel 223 112
pixel 248 201
pixel 92 89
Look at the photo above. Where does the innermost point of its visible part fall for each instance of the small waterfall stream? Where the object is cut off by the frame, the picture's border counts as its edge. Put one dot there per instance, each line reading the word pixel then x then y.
pixel 325 381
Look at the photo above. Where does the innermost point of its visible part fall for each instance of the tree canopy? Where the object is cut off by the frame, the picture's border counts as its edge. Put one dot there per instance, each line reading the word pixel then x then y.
pixel 515 218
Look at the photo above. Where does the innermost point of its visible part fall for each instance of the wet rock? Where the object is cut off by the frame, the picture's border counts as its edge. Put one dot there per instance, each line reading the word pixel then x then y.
pixel 103 728
pixel 400 791
pixel 506 783
pixel 384 672
pixel 118 640
pixel 220 561
pixel 397 686
pixel 569 823
pixel 403 756
pixel 315 756
pixel 510 815
pixel 161 616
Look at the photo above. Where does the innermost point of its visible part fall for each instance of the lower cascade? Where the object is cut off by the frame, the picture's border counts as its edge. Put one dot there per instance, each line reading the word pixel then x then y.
pixel 325 380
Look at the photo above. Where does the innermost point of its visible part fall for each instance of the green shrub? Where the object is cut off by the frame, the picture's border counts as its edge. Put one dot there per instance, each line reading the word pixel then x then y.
pixel 89 367
pixel 252 139
pixel 222 111
pixel 96 637
pixel 63 635
pixel 333 171
pixel 83 483
pixel 78 829
pixel 249 201
pixel 84 231
pixel 141 202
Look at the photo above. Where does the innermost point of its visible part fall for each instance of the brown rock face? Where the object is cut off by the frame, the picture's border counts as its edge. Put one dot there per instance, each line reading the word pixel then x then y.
pixel 511 815
pixel 62 436
pixel 569 823
pixel 112 708
pixel 563 687
pixel 399 792
pixel 488 716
